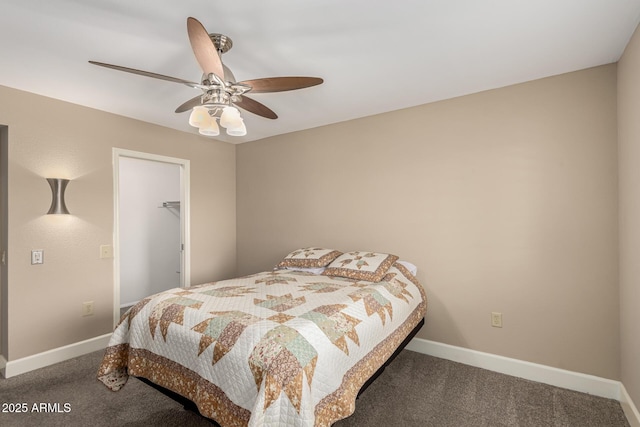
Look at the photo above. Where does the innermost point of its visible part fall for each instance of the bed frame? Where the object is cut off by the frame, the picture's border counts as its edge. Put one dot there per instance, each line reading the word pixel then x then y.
pixel 190 406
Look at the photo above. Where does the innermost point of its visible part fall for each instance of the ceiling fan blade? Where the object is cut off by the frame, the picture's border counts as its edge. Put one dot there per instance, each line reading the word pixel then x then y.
pixel 147 74
pixel 188 105
pixel 280 84
pixel 204 49
pixel 255 107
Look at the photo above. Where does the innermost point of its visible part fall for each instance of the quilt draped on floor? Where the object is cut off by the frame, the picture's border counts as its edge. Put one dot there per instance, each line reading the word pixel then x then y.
pixel 274 348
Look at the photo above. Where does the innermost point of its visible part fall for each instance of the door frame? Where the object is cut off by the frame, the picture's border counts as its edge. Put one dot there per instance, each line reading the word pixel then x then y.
pixel 185 258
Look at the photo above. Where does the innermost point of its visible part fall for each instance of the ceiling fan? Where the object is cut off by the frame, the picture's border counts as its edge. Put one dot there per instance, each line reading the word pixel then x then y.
pixel 220 90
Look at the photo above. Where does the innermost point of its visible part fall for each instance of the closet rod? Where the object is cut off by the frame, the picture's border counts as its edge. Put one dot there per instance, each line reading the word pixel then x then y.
pixel 170 205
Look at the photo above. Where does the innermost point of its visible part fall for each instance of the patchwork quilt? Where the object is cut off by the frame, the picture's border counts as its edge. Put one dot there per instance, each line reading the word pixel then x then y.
pixel 275 348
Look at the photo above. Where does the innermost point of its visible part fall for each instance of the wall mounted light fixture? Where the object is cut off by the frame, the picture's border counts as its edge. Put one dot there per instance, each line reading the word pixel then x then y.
pixel 58 186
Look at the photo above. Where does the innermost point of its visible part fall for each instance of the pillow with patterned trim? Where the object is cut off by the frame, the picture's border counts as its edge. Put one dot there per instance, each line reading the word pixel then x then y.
pixel 309 258
pixel 369 266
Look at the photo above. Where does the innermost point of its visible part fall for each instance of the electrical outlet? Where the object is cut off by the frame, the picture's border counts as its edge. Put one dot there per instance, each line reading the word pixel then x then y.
pixel 87 308
pixel 37 256
pixel 496 319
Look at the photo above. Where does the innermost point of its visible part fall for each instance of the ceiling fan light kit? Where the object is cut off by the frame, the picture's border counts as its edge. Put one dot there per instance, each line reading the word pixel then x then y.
pixel 237 129
pixel 199 116
pixel 204 117
pixel 230 117
pixel 209 127
pixel 221 94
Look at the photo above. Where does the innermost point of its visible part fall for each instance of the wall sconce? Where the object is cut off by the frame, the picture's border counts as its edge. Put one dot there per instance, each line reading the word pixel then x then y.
pixel 58 186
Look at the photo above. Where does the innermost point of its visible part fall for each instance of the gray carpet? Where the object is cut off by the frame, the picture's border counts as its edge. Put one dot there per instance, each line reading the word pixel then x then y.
pixel 415 390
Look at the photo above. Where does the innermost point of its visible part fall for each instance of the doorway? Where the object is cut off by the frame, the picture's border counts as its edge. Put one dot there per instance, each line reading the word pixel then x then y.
pixel 151 226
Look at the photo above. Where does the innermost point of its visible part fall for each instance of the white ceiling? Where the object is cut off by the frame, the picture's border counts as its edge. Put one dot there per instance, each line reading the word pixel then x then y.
pixel 374 56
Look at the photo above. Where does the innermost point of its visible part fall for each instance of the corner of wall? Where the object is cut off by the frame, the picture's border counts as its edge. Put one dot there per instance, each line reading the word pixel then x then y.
pixel 628 110
pixel 4 230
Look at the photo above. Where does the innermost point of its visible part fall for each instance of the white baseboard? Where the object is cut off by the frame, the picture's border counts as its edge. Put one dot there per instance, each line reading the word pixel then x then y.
pixel 576 381
pixel 12 368
pixel 518 368
pixel 532 371
pixel 630 410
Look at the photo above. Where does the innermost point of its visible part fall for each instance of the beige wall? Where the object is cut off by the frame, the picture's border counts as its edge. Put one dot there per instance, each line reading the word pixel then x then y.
pixel 629 164
pixel 506 200
pixel 50 138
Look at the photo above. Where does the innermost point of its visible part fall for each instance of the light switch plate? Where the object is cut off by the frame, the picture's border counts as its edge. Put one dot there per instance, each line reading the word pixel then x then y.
pixel 37 256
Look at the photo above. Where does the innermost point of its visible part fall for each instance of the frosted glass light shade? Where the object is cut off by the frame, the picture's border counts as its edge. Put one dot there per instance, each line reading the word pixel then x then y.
pixel 239 129
pixel 230 117
pixel 199 115
pixel 210 128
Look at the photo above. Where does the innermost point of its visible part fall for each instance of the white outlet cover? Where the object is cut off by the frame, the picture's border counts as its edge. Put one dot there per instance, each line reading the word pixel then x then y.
pixel 106 251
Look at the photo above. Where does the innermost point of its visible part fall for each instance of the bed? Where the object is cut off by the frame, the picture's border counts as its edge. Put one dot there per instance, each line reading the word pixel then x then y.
pixel 292 346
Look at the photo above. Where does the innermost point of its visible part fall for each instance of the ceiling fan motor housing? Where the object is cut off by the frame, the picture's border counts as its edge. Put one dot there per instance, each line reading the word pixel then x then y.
pixel 216 98
pixel 223 43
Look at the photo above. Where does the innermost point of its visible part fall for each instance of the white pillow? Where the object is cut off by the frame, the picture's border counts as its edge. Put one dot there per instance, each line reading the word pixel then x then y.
pixel 412 268
pixel 314 270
